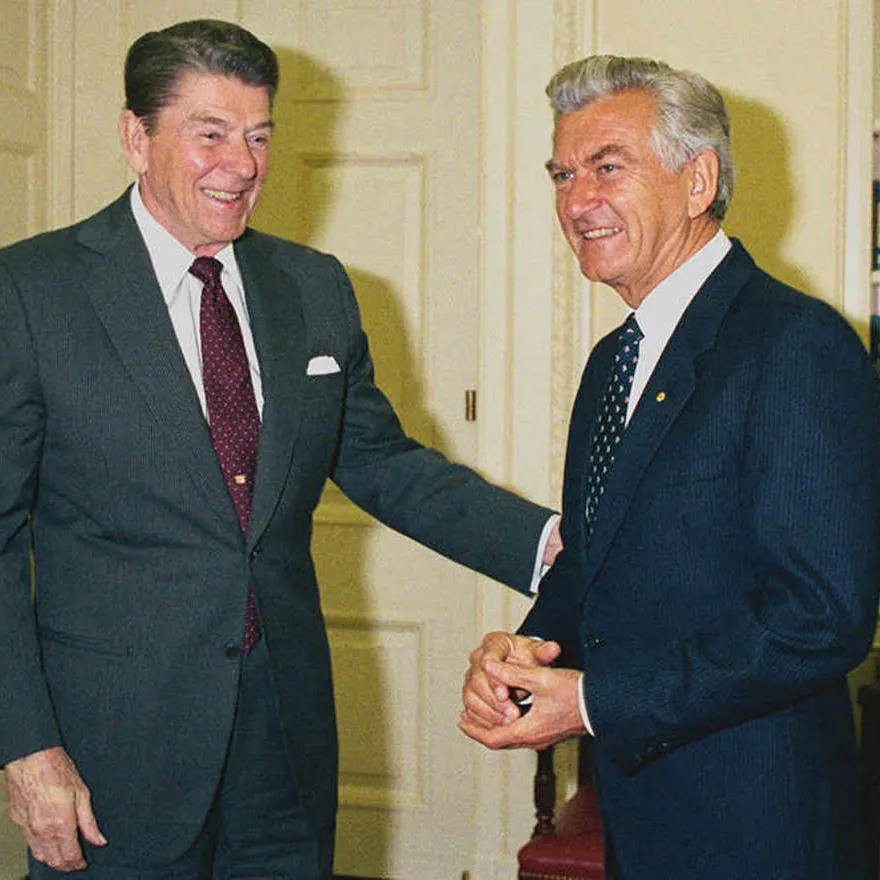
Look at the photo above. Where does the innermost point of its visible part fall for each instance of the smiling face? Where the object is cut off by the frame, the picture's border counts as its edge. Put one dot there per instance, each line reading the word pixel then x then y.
pixel 202 167
pixel 629 222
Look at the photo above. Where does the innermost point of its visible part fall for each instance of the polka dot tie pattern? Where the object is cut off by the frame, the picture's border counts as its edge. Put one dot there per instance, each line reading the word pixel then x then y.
pixel 611 422
pixel 232 407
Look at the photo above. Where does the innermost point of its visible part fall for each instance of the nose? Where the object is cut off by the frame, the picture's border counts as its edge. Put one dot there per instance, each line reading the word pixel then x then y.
pixel 240 159
pixel 580 197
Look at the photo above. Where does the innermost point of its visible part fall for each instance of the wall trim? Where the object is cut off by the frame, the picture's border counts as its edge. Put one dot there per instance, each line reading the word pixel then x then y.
pixel 857 122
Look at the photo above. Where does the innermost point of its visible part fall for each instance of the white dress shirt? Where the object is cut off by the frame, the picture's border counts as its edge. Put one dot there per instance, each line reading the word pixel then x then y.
pixel 183 294
pixel 662 308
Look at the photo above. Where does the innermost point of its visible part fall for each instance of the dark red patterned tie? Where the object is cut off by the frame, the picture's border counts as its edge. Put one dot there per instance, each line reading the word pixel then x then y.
pixel 232 406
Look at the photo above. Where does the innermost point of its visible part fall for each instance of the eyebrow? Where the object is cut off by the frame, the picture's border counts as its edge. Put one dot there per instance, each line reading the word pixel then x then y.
pixel 608 150
pixel 208 119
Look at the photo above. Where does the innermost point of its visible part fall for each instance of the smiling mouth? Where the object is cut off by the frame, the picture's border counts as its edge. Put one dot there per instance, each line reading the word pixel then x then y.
pixel 222 195
pixel 603 232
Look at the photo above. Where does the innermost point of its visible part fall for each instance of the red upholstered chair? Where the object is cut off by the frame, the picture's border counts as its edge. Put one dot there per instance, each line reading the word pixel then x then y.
pixel 567 846
pixel 869 700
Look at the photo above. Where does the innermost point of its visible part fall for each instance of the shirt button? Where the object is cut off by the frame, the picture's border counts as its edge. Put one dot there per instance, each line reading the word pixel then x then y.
pixel 232 650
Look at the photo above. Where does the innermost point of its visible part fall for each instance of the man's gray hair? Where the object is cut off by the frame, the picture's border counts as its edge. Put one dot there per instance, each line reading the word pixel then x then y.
pixel 691 116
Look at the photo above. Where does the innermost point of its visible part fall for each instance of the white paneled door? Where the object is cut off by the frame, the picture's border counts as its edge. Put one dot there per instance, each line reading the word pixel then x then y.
pixel 22 117
pixel 377 160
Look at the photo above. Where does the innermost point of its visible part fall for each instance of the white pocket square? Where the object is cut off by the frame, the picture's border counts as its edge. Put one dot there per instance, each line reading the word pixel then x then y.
pixel 322 365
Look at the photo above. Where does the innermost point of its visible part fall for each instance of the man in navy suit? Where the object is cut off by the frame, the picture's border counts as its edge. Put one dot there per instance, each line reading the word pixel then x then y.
pixel 721 559
pixel 167 707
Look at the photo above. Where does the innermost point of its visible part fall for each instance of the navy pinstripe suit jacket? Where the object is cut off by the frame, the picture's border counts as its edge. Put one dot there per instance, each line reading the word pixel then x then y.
pixel 731 584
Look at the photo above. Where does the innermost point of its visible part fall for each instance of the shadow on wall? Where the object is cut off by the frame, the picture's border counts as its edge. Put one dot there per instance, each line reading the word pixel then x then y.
pixel 307 111
pixel 297 204
pixel 764 200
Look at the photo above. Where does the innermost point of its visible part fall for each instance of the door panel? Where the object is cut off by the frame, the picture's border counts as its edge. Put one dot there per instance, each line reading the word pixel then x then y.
pixel 22 117
pixel 376 159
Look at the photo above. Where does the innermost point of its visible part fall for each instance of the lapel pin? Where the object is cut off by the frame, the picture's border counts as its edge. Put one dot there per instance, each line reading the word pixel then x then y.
pixel 661 397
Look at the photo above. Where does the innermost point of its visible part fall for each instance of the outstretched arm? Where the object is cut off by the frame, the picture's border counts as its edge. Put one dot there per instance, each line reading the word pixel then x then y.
pixel 416 490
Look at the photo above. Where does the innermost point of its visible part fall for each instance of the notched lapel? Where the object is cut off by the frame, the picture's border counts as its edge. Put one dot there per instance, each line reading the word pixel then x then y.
pixel 119 278
pixel 671 386
pixel 275 308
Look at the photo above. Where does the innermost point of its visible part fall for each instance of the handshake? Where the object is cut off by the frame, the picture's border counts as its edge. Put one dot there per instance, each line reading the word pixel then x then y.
pixel 513 698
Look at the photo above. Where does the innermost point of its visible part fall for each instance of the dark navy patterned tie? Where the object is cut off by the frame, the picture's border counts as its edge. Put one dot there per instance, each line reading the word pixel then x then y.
pixel 232 407
pixel 611 421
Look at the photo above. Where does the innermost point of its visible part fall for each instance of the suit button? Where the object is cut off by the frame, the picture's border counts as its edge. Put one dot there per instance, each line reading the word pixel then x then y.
pixel 593 643
pixel 232 650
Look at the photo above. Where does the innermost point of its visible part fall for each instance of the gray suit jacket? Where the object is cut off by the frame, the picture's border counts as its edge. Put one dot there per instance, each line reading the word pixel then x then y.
pixel 129 655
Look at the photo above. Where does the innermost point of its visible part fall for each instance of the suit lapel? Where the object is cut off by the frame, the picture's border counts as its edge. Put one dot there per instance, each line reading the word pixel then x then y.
pixel 670 388
pixel 580 436
pixel 275 309
pixel 121 283
pixel 122 286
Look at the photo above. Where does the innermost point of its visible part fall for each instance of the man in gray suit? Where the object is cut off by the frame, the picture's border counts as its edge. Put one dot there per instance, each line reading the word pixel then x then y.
pixel 175 389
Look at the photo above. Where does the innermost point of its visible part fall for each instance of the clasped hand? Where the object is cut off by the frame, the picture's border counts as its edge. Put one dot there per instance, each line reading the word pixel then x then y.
pixel 504 669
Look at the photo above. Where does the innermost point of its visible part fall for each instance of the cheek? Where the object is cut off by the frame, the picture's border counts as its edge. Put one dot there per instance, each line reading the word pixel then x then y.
pixel 193 165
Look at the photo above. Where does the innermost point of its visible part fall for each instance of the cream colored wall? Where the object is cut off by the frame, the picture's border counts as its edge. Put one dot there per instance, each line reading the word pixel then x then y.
pixel 798 82
pixel 781 69
pixel 784 71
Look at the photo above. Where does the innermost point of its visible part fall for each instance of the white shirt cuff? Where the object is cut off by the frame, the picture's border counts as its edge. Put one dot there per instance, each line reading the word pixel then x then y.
pixel 540 569
pixel 582 705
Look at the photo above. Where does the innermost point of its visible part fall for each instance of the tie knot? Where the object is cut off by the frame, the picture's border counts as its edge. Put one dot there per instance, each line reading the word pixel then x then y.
pixel 630 332
pixel 207 269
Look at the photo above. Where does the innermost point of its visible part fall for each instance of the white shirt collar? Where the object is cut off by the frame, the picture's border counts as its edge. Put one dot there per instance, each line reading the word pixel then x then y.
pixel 663 307
pixel 170 259
pixel 661 310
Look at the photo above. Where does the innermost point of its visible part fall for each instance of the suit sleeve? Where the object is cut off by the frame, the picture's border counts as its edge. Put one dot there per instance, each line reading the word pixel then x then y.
pixel 809 523
pixel 27 720
pixel 416 490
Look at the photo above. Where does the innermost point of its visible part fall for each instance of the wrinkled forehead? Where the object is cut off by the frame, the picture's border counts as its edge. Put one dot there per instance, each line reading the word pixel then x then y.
pixel 199 93
pixel 626 120
pixel 191 81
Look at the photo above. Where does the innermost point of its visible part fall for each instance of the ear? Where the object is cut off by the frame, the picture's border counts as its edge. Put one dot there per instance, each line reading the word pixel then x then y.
pixel 135 141
pixel 702 177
